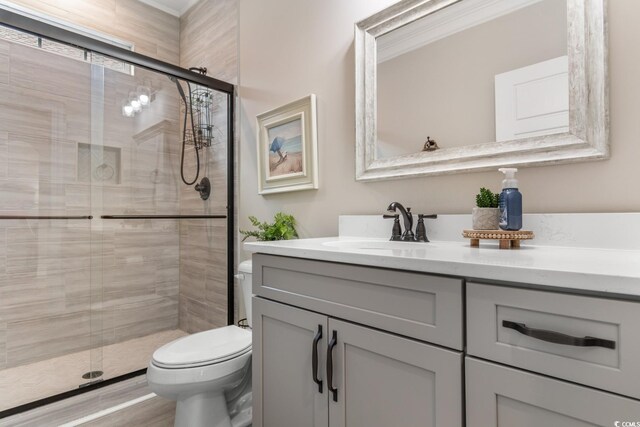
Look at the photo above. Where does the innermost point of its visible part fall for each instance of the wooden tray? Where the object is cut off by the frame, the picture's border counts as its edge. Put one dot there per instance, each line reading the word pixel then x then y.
pixel 508 239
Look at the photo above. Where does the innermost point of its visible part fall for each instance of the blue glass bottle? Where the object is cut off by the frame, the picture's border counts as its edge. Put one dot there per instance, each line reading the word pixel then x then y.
pixel 510 202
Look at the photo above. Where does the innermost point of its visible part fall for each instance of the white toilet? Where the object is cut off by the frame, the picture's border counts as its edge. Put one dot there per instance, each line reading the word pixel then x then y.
pixel 208 373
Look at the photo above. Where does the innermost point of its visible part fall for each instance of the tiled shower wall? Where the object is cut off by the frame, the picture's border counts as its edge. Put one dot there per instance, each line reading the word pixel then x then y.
pixel 208 38
pixel 153 32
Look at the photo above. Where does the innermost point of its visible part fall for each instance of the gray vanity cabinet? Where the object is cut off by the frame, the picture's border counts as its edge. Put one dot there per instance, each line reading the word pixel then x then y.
pixel 378 379
pixel 391 349
pixel 369 377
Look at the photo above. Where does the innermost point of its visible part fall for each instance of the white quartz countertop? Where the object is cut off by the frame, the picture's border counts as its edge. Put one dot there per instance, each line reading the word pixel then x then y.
pixel 594 270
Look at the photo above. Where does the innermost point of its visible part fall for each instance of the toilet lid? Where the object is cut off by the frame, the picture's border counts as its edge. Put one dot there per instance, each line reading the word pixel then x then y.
pixel 204 348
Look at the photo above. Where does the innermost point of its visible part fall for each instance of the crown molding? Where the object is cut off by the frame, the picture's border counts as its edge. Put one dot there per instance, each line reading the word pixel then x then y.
pixel 175 11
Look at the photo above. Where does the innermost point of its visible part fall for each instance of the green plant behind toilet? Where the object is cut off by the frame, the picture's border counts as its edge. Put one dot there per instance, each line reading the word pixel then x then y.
pixel 283 227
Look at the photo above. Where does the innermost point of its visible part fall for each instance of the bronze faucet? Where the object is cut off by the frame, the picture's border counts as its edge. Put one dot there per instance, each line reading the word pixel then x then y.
pixel 407 235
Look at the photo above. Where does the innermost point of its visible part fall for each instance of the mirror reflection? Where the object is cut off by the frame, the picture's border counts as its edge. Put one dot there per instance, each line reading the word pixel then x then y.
pixel 478 71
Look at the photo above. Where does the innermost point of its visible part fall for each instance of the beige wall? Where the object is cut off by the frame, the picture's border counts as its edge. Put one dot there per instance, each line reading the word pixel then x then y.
pixel 427 91
pixel 153 32
pixel 289 48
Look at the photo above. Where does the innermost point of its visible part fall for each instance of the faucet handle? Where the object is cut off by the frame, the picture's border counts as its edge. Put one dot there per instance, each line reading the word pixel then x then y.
pixel 396 230
pixel 421 230
pixel 429 216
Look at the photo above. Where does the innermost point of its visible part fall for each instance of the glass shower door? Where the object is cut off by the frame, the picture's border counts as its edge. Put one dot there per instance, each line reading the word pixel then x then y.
pixel 137 173
pixel 106 252
pixel 47 288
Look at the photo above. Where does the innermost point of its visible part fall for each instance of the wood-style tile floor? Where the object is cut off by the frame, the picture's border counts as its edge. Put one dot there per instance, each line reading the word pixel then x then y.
pixel 27 383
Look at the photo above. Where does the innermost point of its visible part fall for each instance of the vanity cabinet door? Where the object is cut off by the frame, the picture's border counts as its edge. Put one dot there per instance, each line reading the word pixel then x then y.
pixel 284 391
pixel 386 380
pixel 498 396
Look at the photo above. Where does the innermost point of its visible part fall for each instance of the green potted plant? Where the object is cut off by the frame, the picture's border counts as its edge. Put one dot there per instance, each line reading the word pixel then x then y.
pixel 283 227
pixel 486 215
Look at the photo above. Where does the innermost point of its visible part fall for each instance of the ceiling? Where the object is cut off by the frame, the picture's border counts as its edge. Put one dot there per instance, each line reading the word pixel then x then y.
pixel 173 7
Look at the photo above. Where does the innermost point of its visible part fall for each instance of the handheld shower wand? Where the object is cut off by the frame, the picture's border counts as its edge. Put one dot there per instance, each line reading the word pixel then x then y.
pixel 204 187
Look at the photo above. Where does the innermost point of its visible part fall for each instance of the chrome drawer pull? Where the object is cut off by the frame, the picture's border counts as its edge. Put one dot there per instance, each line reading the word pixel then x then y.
pixel 557 337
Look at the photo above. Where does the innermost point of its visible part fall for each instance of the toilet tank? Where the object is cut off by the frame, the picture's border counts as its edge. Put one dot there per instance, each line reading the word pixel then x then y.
pixel 244 279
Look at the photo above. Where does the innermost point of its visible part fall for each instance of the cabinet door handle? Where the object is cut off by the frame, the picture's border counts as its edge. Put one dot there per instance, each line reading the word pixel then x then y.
pixel 314 359
pixel 332 344
pixel 557 337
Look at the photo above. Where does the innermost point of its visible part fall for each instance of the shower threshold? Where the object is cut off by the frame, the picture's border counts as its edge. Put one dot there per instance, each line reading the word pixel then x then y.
pixel 27 383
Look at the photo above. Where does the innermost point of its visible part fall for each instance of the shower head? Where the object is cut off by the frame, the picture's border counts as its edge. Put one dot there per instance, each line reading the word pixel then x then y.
pixel 180 90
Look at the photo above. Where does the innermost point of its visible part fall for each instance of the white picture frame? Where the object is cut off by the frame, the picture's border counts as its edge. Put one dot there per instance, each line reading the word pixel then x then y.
pixel 287 147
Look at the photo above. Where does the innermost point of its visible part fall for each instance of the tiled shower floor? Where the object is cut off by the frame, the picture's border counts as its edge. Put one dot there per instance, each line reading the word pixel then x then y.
pixel 27 383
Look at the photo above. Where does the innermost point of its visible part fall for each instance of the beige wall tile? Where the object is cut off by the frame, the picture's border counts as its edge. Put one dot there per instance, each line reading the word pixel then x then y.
pixel 3 252
pixel 203 246
pixel 45 337
pixel 39 248
pixel 211 46
pixel 41 159
pixel 4 154
pixel 128 20
pixel 29 296
pixel 39 70
pixel 80 289
pixel 138 316
pixel 18 196
pixel 4 62
pixel 3 344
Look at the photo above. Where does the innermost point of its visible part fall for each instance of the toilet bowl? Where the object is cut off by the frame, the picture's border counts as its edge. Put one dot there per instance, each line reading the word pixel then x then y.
pixel 208 374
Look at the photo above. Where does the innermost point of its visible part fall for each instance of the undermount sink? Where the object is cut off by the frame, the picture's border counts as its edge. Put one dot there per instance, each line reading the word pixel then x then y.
pixel 375 245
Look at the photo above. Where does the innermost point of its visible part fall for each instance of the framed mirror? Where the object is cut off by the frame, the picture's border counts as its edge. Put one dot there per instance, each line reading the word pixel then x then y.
pixel 445 86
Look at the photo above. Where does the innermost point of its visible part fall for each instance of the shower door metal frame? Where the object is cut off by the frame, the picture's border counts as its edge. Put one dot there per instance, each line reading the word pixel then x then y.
pixel 51 32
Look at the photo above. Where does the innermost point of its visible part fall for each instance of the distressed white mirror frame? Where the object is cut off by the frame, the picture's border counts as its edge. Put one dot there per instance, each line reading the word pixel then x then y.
pixel 588 135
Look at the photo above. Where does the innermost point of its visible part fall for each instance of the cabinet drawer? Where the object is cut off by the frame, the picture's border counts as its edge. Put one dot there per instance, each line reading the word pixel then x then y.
pixel 416 305
pixel 535 330
pixel 501 396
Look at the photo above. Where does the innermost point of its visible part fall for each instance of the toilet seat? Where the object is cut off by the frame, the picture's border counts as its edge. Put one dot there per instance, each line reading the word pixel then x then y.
pixel 175 383
pixel 204 348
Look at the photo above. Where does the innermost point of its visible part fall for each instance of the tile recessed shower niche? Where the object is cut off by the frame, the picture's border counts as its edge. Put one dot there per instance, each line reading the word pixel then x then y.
pixel 99 164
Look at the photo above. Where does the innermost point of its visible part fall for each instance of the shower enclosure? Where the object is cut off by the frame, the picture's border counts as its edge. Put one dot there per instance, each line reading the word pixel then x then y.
pixel 105 252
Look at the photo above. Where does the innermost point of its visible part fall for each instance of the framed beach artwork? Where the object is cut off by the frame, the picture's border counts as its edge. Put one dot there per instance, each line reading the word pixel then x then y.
pixel 287 148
